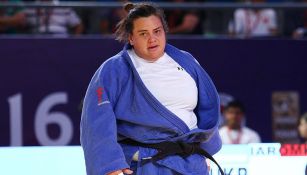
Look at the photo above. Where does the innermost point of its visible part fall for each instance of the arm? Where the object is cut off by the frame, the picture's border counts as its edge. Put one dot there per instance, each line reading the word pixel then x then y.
pixel 188 24
pixel 13 21
pixel 103 155
pixel 208 109
pixel 78 30
pixel 75 23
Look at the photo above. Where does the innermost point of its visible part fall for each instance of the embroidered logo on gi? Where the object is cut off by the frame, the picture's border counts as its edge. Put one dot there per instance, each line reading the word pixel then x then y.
pixel 99 92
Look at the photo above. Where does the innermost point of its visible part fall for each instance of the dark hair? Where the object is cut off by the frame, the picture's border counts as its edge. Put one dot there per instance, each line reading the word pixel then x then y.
pixel 135 11
pixel 235 104
pixel 304 117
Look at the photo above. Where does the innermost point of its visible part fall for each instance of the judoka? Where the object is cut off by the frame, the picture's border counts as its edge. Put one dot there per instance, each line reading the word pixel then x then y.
pixel 151 109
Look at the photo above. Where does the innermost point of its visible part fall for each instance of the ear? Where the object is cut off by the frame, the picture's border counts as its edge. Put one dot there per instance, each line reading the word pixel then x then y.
pixel 130 39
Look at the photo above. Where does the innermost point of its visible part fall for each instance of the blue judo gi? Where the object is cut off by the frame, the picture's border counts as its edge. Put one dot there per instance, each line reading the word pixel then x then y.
pixel 118 105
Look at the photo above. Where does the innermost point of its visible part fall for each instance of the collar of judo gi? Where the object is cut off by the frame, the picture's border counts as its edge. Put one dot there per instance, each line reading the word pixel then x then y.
pixel 207 109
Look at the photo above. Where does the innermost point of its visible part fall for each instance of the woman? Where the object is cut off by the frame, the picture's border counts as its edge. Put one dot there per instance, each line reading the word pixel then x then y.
pixel 151 109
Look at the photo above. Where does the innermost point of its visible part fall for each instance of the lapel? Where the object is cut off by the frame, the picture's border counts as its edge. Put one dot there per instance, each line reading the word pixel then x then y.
pixel 164 112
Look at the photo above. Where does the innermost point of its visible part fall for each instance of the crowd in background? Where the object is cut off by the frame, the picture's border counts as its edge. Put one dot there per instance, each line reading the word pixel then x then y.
pixel 243 23
pixel 234 130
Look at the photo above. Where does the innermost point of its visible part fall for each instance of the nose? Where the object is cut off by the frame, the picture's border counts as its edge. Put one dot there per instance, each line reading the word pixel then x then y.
pixel 152 38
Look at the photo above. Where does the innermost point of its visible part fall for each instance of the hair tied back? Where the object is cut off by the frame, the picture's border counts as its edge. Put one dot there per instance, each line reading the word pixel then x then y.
pixel 128 6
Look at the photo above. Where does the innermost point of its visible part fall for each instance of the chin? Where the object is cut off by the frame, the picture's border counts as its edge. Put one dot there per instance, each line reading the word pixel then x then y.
pixel 155 57
pixel 157 54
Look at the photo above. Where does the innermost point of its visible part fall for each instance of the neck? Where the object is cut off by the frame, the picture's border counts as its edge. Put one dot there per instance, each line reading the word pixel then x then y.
pixel 234 127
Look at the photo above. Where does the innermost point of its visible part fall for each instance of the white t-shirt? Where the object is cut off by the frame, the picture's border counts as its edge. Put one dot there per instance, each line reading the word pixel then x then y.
pixel 245 136
pixel 59 20
pixel 170 84
pixel 251 23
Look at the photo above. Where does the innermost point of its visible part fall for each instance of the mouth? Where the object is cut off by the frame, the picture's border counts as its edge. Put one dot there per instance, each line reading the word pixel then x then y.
pixel 153 48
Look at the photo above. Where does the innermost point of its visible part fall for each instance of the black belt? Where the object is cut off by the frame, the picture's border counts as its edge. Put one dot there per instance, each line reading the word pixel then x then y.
pixel 168 148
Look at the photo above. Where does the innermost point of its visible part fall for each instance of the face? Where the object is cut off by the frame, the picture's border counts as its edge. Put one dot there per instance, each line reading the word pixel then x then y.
pixel 233 117
pixel 148 37
pixel 303 128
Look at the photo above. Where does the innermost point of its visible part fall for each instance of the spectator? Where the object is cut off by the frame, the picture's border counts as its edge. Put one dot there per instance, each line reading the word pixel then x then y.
pixel 300 30
pixel 54 21
pixel 11 20
pixel 254 23
pixel 302 128
pixel 184 22
pixel 295 22
pixel 234 132
pixel 102 21
pixel 112 19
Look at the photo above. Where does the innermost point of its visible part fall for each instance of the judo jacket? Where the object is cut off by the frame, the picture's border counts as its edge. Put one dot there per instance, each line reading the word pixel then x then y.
pixel 118 105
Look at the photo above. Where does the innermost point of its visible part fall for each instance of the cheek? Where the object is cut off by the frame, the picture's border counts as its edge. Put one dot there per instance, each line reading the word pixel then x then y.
pixel 140 43
pixel 303 130
pixel 162 39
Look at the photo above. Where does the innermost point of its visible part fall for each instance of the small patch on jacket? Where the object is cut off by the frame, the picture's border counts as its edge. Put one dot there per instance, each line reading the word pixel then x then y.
pixel 99 92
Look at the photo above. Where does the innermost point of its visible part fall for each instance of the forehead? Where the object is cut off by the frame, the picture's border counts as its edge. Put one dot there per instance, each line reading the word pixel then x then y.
pixel 147 23
pixel 233 109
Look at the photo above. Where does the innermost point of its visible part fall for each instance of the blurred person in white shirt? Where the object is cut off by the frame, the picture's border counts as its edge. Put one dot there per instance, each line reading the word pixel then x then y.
pixel 62 21
pixel 234 131
pixel 253 22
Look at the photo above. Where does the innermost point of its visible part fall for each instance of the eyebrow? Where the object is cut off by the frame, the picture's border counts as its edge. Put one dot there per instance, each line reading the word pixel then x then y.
pixel 139 31
pixel 157 28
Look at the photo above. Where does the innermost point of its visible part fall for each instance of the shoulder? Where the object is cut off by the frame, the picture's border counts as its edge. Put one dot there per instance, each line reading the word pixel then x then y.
pixel 249 130
pixel 223 130
pixel 114 68
pixel 112 76
pixel 188 54
pixel 239 13
pixel 115 64
pixel 269 12
pixel 251 133
pixel 174 51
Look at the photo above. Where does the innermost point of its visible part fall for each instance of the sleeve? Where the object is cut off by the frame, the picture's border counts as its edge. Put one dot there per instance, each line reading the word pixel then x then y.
pixel 73 19
pixel 213 144
pixel 98 127
pixel 208 106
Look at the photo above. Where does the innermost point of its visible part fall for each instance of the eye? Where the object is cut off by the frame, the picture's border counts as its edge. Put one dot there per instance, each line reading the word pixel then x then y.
pixel 157 31
pixel 143 34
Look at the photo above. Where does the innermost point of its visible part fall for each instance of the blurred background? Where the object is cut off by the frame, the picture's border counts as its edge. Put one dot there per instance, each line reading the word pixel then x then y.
pixel 211 19
pixel 255 51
